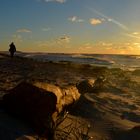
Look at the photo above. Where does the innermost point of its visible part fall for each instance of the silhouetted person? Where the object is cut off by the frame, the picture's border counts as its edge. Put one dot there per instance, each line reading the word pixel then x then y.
pixel 12 49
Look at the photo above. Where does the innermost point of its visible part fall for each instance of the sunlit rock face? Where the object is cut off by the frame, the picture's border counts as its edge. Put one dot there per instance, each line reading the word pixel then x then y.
pixel 65 96
pixel 39 103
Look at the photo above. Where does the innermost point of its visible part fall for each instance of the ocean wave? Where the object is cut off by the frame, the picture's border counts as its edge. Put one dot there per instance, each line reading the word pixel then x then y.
pixel 97 59
pixel 117 61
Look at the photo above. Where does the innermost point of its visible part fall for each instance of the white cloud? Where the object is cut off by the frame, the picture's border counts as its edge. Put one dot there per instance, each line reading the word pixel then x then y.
pixel 72 18
pixel 126 46
pixel 75 19
pixel 87 44
pixel 64 39
pixel 42 43
pixel 132 35
pixel 24 31
pixel 106 44
pixel 88 47
pixel 46 29
pixel 17 38
pixel 135 33
pixel 119 24
pixel 59 1
pixel 94 21
pixel 93 46
pixel 61 41
pixel 136 44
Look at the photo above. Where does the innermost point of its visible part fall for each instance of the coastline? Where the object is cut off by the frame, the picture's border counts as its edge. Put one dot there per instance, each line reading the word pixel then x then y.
pixel 103 109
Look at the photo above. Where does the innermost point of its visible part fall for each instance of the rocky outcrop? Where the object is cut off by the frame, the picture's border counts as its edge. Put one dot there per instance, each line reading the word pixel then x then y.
pixel 39 103
pixel 32 104
pixel 86 86
pixel 91 85
pixel 65 96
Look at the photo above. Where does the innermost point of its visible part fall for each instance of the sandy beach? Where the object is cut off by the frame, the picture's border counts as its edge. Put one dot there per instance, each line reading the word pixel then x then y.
pixel 111 107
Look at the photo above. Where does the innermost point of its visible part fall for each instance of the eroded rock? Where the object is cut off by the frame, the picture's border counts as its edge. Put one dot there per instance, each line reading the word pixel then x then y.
pixel 91 85
pixel 65 96
pixel 132 134
pixel 32 104
pixel 39 103
pixel 86 86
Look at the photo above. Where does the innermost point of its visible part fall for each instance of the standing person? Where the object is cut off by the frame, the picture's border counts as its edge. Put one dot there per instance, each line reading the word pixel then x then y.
pixel 12 49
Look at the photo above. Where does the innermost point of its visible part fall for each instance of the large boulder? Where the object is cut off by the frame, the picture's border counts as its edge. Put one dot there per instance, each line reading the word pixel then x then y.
pixel 32 104
pixel 86 86
pixel 65 95
pixel 132 134
pixel 91 85
pixel 39 103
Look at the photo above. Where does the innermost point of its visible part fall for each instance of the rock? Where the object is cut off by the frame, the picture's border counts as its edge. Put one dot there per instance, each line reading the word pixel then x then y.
pixel 39 103
pixel 131 116
pixel 65 96
pixel 32 104
pixel 26 137
pixel 91 85
pixel 70 95
pixel 136 129
pixel 132 134
pixel 86 86
pixel 99 84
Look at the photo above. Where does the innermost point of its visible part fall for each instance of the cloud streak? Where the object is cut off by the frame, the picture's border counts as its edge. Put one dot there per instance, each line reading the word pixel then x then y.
pixel 75 19
pixel 131 35
pixel 46 29
pixel 64 39
pixel 61 41
pixel 59 1
pixel 24 31
pixel 122 26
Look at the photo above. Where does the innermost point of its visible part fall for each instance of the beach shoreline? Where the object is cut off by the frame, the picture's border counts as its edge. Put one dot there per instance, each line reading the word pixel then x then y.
pixel 115 98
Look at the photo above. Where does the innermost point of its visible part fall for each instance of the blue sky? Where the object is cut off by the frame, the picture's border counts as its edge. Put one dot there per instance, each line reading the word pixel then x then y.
pixel 71 26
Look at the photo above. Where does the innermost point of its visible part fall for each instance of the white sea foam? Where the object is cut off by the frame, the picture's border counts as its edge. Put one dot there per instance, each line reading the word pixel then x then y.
pixel 117 61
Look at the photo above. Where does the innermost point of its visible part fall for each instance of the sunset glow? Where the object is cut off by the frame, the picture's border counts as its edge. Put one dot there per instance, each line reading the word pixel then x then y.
pixel 71 26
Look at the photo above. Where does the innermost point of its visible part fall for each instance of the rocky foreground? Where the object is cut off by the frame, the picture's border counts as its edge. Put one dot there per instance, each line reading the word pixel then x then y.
pixel 46 100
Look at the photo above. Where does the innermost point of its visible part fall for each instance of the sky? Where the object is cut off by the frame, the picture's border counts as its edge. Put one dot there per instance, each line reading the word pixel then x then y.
pixel 71 26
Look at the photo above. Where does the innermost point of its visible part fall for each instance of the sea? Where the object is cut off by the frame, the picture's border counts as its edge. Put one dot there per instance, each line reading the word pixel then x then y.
pixel 130 62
